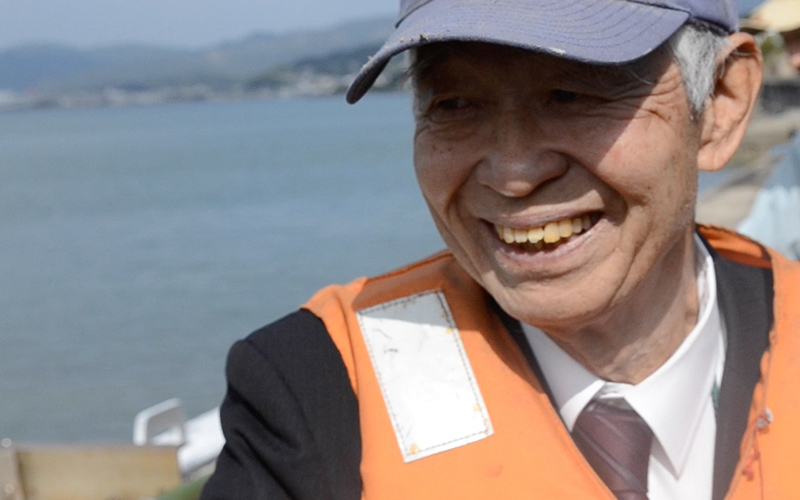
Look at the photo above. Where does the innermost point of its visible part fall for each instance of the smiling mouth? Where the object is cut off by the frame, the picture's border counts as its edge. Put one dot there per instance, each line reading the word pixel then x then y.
pixel 547 237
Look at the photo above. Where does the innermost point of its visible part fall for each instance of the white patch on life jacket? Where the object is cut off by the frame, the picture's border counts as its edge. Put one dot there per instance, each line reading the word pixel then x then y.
pixel 427 382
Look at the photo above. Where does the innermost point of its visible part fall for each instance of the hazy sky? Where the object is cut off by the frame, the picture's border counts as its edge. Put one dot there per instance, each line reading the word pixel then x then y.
pixel 188 23
pixel 191 23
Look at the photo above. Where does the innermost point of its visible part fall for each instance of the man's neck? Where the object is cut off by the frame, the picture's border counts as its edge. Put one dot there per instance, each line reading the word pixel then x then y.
pixel 640 334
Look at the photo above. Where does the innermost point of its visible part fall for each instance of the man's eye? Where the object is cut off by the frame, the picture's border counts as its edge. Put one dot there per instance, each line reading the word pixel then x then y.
pixel 453 104
pixel 564 96
pixel 450 109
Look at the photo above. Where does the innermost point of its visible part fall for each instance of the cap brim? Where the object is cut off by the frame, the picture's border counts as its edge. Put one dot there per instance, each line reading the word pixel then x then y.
pixel 593 31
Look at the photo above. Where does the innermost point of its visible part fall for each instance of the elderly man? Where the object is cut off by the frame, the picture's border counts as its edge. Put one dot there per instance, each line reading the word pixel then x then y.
pixel 581 337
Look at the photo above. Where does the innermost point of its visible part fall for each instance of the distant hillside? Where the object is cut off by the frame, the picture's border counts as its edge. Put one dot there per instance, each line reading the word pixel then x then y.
pixel 22 68
pixel 55 69
pixel 327 74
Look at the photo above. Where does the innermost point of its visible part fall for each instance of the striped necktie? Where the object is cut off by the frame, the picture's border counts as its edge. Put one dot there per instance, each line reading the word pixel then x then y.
pixel 616 442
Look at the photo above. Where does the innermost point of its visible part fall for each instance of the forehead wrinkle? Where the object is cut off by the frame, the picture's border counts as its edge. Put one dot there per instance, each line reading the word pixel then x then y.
pixel 640 74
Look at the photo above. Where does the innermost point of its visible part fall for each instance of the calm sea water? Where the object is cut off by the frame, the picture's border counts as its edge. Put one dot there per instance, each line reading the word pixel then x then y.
pixel 137 244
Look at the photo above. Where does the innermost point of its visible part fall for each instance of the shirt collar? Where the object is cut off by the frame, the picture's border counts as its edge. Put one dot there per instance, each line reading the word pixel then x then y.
pixel 671 400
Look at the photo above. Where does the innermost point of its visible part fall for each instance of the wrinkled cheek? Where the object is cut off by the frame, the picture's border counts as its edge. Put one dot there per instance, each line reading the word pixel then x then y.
pixel 440 180
pixel 438 174
pixel 444 213
pixel 630 177
pixel 430 187
pixel 648 165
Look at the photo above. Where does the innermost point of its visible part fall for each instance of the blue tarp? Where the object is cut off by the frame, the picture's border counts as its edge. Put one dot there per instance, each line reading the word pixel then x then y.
pixel 775 217
pixel 748 6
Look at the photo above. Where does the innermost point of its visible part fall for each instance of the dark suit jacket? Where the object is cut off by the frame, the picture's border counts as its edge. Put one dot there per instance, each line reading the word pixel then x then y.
pixel 291 419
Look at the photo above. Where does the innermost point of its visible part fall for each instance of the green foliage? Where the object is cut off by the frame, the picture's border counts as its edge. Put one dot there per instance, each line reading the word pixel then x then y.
pixel 189 491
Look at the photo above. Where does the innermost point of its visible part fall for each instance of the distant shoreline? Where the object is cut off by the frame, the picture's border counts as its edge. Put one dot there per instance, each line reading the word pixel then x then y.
pixel 18 102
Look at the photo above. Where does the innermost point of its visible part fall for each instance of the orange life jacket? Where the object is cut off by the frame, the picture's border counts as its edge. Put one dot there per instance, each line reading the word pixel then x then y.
pixel 506 440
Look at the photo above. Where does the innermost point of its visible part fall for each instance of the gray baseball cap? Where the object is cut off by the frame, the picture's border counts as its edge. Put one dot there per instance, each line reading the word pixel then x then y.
pixel 593 31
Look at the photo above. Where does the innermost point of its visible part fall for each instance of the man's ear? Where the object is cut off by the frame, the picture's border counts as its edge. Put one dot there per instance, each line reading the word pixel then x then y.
pixel 728 109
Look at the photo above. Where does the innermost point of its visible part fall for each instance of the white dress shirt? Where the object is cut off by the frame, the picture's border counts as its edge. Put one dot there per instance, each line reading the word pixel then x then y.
pixel 677 401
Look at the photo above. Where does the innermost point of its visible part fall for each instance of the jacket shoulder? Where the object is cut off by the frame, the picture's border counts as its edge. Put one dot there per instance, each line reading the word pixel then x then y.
pixel 290 417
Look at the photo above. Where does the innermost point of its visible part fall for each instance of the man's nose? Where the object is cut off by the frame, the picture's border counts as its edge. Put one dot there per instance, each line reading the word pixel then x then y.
pixel 521 156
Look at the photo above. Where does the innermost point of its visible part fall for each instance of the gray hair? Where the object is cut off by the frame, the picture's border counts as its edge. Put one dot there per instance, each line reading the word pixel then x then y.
pixel 695 48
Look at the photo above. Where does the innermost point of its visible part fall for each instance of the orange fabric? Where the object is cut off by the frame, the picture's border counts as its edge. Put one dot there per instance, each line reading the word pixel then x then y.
pixel 531 454
pixel 768 467
pixel 736 247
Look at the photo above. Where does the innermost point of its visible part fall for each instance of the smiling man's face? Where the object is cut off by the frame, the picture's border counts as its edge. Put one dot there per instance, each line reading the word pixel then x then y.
pixel 566 190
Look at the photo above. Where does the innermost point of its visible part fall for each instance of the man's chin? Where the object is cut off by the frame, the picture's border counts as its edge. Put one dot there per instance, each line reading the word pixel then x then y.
pixel 549 307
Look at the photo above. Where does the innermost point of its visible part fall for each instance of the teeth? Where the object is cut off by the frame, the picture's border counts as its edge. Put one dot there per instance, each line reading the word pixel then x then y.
pixel 536 234
pixel 565 228
pixel 551 232
pixel 508 235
